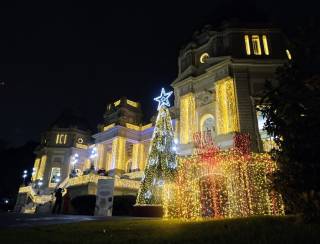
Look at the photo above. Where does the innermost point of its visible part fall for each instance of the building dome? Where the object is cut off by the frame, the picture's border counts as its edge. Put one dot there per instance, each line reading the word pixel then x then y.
pixel 69 119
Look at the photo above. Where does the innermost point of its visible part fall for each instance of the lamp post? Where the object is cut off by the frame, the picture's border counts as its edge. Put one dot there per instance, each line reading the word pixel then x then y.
pixel 175 142
pixel 57 180
pixel 33 172
pixel 24 176
pixel 74 161
pixel 39 184
pixel 93 155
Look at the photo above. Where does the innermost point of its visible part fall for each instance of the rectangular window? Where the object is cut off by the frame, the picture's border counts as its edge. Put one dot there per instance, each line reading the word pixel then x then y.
pixel 117 103
pixel 288 54
pixel 247 42
pixel 61 139
pixel 265 45
pixel 55 177
pixel 256 45
pixel 132 103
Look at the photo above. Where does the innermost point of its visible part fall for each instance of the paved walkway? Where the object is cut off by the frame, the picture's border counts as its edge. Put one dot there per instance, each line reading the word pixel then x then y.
pixel 30 220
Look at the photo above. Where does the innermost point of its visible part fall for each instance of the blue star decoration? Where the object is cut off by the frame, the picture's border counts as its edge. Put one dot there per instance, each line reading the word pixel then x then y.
pixel 163 99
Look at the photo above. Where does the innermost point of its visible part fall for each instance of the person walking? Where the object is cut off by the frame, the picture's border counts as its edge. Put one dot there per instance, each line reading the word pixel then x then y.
pixel 58 202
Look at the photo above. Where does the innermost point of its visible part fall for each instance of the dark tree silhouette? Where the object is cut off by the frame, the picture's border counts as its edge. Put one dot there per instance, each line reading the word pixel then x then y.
pixel 292 114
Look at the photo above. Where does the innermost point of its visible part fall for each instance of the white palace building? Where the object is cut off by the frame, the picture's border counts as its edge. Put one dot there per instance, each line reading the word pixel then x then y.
pixel 221 74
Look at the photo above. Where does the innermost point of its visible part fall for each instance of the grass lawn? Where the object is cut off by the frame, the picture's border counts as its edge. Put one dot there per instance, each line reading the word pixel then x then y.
pixel 246 230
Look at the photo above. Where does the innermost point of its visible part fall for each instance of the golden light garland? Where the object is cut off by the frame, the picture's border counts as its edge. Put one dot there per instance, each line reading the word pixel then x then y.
pixel 234 184
pixel 161 163
pixel 226 113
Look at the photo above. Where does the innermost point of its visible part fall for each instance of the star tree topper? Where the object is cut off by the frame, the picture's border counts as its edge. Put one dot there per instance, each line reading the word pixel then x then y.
pixel 163 99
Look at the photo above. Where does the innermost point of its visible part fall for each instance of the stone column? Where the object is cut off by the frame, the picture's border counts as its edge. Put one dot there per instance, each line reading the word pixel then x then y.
pixel 101 157
pixel 42 167
pixel 118 161
pixel 138 156
pixel 108 160
pixel 246 109
pixel 187 118
pixel 226 109
pixel 36 169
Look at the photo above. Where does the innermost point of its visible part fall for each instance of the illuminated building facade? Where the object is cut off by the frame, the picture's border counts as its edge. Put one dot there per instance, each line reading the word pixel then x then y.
pixel 220 79
pixel 123 141
pixel 70 157
pixel 218 87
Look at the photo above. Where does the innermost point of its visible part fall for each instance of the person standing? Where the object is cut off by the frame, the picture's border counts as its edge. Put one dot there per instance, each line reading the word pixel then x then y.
pixel 58 202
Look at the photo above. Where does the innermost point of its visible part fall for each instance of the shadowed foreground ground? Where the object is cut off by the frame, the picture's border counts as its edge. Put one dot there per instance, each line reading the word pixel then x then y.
pixel 248 230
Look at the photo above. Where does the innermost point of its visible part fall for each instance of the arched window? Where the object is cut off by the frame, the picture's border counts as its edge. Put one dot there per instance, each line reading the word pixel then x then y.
pixel 207 123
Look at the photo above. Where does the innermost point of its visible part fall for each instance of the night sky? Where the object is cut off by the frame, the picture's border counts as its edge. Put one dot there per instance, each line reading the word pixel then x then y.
pixel 78 56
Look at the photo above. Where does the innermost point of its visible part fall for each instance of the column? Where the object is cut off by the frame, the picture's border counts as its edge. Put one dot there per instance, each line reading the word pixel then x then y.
pixel 101 157
pixel 226 109
pixel 108 160
pixel 118 161
pixel 187 118
pixel 245 106
pixel 36 169
pixel 42 167
pixel 138 156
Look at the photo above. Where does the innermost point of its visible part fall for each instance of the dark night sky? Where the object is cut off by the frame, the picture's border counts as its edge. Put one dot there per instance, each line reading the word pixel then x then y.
pixel 78 56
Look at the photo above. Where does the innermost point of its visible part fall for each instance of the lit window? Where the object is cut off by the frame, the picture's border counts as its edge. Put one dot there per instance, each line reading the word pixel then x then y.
pixel 132 103
pixel 61 139
pixel 55 177
pixel 204 57
pixel 117 103
pixel 288 54
pixel 247 42
pixel 265 45
pixel 256 45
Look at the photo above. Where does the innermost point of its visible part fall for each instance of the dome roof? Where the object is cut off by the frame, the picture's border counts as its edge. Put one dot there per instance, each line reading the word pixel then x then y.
pixel 69 119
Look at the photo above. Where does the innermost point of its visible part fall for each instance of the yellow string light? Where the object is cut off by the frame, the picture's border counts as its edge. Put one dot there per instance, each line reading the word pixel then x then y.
pixel 236 186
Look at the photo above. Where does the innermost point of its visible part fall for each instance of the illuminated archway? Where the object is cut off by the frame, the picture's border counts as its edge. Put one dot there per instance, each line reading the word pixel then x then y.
pixel 207 122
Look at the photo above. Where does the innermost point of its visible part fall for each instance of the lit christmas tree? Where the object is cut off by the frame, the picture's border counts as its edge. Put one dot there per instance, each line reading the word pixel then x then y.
pixel 161 166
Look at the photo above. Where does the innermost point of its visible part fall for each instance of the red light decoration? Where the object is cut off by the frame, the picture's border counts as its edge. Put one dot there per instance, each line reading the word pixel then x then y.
pixel 205 147
pixel 222 183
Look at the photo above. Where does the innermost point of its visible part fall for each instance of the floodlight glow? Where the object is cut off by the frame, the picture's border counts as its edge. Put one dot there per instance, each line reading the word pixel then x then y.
pixel 94 153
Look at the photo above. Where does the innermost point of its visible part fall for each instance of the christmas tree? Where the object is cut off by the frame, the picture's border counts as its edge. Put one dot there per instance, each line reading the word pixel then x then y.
pixel 161 165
